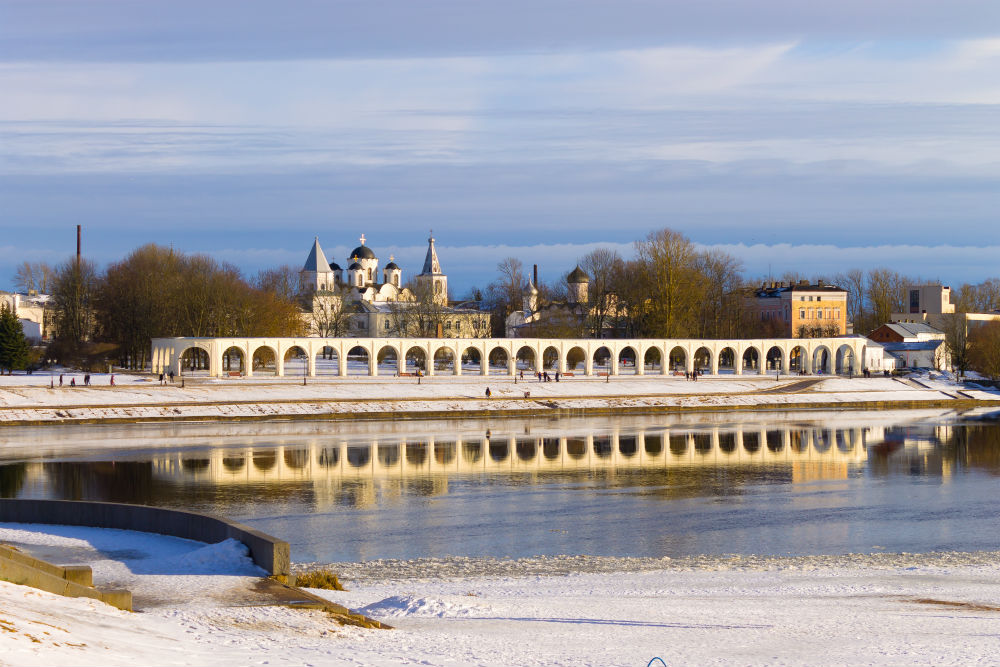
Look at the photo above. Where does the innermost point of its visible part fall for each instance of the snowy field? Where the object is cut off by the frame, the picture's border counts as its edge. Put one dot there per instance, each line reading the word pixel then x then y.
pixel 138 397
pixel 195 606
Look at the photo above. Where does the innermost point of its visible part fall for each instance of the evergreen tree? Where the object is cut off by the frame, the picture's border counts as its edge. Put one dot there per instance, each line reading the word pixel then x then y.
pixel 13 345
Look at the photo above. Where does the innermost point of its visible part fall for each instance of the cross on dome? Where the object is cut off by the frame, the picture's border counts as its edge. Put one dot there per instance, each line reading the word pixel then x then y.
pixel 362 239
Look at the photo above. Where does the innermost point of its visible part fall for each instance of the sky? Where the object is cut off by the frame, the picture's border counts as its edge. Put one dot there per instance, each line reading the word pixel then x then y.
pixel 798 136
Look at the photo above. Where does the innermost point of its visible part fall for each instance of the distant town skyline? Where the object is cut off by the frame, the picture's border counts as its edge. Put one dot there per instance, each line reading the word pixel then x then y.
pixel 796 136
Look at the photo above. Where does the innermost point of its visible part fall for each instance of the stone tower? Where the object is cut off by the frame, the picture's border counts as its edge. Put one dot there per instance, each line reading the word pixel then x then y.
pixel 578 282
pixel 431 278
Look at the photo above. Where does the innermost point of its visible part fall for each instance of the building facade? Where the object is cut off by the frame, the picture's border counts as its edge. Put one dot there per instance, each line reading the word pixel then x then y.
pixel 800 310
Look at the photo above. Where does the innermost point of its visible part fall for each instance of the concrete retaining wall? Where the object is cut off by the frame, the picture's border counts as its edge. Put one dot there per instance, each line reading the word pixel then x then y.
pixel 73 581
pixel 271 554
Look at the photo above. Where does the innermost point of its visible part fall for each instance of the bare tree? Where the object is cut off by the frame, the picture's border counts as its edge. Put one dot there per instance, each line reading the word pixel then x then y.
pixel 33 276
pixel 331 314
pixel 984 350
pixel 603 265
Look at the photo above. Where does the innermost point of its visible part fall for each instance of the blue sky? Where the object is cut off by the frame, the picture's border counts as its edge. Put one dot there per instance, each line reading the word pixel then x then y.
pixel 811 137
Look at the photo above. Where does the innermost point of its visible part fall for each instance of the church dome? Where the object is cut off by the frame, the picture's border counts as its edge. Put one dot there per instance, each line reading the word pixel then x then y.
pixel 354 267
pixel 391 266
pixel 577 276
pixel 529 289
pixel 362 252
pixel 334 267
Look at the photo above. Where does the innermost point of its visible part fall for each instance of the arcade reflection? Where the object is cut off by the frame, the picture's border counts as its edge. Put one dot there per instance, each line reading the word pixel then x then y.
pixel 677 461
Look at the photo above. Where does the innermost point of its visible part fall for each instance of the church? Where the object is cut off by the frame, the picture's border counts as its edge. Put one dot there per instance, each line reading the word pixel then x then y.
pixel 364 302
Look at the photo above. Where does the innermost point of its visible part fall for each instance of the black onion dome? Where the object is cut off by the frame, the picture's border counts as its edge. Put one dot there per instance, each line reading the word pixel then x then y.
pixel 354 267
pixel 391 266
pixel 334 267
pixel 362 252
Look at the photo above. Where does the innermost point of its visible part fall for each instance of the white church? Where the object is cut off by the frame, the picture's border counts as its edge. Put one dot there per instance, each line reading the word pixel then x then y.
pixel 364 302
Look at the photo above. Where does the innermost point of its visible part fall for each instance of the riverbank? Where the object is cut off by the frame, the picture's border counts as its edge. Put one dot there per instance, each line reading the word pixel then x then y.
pixel 194 608
pixel 29 400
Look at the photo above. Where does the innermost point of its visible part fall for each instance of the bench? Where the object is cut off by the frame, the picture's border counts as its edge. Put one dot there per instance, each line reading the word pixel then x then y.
pixel 234 374
pixel 566 374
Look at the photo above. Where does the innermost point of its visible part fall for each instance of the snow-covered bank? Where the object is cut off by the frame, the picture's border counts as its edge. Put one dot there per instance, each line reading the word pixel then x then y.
pixel 941 609
pixel 136 399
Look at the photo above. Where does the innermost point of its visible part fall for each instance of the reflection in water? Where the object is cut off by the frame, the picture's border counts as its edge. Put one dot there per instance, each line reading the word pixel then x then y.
pixel 687 488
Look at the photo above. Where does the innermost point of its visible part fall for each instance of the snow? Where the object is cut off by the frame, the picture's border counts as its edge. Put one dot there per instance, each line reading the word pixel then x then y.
pixel 136 399
pixel 880 609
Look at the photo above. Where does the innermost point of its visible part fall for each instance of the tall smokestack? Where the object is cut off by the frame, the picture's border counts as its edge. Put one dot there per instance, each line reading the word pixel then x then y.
pixel 78 236
pixel 535 273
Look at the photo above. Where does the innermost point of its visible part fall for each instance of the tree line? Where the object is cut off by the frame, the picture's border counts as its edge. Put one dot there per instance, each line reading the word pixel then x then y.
pixel 159 292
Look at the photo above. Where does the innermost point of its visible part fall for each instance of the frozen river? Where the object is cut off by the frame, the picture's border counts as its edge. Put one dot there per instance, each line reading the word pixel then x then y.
pixel 780 483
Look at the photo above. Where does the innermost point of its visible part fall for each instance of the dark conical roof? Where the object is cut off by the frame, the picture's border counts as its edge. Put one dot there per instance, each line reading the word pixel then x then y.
pixel 577 276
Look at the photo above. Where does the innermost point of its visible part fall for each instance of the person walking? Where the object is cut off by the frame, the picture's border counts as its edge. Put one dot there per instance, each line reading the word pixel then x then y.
pixel 60 379
pixel 488 392
pixel 72 382
pixel 171 376
pixel 112 380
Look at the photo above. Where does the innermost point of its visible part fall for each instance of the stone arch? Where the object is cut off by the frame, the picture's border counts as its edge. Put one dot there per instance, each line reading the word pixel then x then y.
pixel 627 359
pixel 416 453
pixel 846 360
pixel 678 359
pixel 358 360
pixel 195 361
pixel 525 359
pixel 265 360
pixel 472 360
pixel 550 448
pixel 296 458
pixel 775 360
pixel 653 443
pixel 264 459
pixel 444 453
pixel 444 359
pixel 703 360
pixel 751 442
pixel 296 361
pixel 727 360
pixel 327 361
pixel 550 359
pixel 526 449
pixel 576 447
pixel 703 443
pixel 775 441
pixel 727 442
pixel 234 461
pixel 652 360
pixel 498 360
pixel 601 359
pixel 415 359
pixel 602 446
pixel 576 360
pixel 499 449
pixel 751 360
pixel 845 440
pixel 821 359
pixel 387 359
pixel 472 451
pixel 627 445
pixel 234 360
pixel 678 443
pixel 388 455
pixel 329 457
pixel 797 360
pixel 359 457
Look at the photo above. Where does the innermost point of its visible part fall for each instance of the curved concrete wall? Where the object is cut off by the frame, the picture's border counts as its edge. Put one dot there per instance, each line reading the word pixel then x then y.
pixel 268 552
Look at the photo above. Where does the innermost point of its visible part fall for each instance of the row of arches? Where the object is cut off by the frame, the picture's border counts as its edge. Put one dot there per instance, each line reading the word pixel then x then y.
pixel 400 359
pixel 655 448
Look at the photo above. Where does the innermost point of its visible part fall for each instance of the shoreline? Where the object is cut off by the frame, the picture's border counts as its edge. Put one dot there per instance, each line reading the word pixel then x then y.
pixel 136 400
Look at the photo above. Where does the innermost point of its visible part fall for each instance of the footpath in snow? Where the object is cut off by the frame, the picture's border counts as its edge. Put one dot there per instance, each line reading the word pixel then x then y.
pixel 29 399
pixel 938 609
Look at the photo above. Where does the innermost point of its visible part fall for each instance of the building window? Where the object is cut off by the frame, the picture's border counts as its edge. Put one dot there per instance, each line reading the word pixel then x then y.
pixel 387 325
pixel 802 313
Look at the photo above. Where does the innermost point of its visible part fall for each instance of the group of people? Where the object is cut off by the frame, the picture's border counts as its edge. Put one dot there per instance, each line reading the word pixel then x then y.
pixel 543 376
pixel 691 375
pixel 86 380
pixel 163 378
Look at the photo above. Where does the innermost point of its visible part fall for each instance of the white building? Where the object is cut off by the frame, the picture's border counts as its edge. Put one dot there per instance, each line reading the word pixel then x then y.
pixel 31 310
